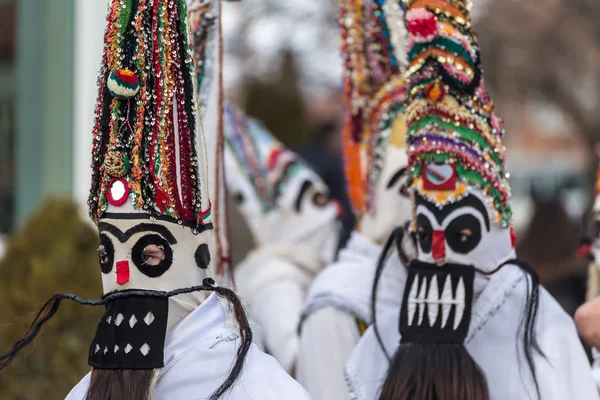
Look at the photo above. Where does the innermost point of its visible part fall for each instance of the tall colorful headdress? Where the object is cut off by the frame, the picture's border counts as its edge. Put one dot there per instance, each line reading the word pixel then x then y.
pixel 373 52
pixel 454 136
pixel 144 152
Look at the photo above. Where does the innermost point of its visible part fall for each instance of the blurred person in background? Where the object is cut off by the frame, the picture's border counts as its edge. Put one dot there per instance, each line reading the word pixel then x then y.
pixel 163 333
pixel 293 223
pixel 587 316
pixel 474 322
pixel 338 308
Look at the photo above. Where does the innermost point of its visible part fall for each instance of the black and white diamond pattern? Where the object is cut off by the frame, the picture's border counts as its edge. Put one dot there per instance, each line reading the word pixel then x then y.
pixel 131 334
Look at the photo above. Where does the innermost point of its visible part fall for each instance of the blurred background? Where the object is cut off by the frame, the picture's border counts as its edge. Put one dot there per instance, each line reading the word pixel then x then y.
pixel 542 64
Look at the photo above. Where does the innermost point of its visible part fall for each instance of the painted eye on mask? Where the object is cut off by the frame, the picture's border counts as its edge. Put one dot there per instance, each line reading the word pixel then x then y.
pixel 399 176
pixel 106 254
pixel 238 198
pixel 424 233
pixel 320 199
pixel 152 255
pixel 463 234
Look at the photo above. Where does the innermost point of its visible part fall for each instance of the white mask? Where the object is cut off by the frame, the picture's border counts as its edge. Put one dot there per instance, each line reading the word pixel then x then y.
pixel 284 202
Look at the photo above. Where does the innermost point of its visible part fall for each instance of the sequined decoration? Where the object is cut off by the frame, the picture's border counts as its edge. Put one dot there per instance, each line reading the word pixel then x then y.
pixel 203 15
pixel 372 37
pixel 155 130
pixel 449 114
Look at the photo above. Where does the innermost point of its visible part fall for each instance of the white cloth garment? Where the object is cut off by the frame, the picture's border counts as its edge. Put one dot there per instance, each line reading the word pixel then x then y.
pixel 492 342
pixel 347 284
pixel 199 353
pixel 338 298
pixel 274 284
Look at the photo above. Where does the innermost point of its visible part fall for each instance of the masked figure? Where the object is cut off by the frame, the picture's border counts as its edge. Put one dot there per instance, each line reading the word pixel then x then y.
pixel 163 334
pixel 338 307
pixel 293 223
pixel 474 323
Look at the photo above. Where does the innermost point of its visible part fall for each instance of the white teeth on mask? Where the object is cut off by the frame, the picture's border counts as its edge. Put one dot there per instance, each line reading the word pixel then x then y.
pixel 433 306
pixel 446 294
pixel 419 296
pixel 421 300
pixel 412 300
pixel 460 304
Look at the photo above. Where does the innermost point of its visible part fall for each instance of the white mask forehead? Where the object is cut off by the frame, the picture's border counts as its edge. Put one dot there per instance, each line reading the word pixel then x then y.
pixel 128 237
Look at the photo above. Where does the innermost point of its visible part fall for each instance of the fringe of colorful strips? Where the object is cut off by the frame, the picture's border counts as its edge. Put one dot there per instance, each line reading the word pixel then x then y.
pixel 145 126
pixel 449 113
pixel 372 46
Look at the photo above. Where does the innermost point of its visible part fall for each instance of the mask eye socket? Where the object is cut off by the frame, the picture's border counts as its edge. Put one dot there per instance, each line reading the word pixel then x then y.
pixel 463 234
pixel 106 254
pixel 424 233
pixel 152 255
pixel 320 199
pixel 238 198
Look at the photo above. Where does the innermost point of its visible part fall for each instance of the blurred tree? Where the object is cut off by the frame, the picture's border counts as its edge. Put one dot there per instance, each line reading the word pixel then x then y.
pixel 550 48
pixel 54 251
pixel 278 104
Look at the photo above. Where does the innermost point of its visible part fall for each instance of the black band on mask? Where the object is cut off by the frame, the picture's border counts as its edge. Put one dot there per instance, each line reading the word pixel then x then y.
pixel 131 334
pixel 436 306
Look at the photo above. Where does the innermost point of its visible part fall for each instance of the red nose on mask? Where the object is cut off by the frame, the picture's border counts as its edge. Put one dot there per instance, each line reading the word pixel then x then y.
pixel 122 272
pixel 438 245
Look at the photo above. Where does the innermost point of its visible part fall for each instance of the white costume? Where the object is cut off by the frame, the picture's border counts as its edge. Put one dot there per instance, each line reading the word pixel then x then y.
pixel 467 298
pixel 293 224
pixel 338 307
pixel 492 341
pixel 202 339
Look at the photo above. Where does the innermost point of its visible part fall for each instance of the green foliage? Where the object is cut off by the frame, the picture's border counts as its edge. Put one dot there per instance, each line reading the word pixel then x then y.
pixel 278 104
pixel 55 251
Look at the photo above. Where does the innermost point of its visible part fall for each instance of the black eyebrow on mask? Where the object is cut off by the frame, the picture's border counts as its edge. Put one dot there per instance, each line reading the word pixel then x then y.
pixel 395 178
pixel 305 186
pixel 143 227
pixel 468 201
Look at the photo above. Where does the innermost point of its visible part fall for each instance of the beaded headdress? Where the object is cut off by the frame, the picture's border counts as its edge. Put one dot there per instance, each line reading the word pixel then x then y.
pixel 373 51
pixel 454 136
pixel 144 151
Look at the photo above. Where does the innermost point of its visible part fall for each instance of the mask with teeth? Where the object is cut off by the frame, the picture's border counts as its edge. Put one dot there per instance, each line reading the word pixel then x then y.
pixel 461 212
pixel 284 202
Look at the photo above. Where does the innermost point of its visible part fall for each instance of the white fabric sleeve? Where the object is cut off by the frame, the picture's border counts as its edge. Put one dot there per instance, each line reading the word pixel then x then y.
pixel 327 340
pixel 277 310
pixel 567 372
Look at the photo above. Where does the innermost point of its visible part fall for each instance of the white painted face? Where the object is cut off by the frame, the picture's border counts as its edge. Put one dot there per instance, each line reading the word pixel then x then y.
pixel 392 203
pixel 462 233
pixel 151 255
pixel 300 213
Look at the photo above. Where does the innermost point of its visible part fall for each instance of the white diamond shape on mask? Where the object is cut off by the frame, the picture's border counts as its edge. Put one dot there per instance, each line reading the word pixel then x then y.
pixel 128 348
pixel 132 321
pixel 149 318
pixel 119 319
pixel 97 348
pixel 109 319
pixel 145 349
pixel 116 348
pixel 105 350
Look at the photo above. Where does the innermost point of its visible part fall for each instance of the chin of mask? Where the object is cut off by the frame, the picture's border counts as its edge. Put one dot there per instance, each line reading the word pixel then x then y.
pixel 462 233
